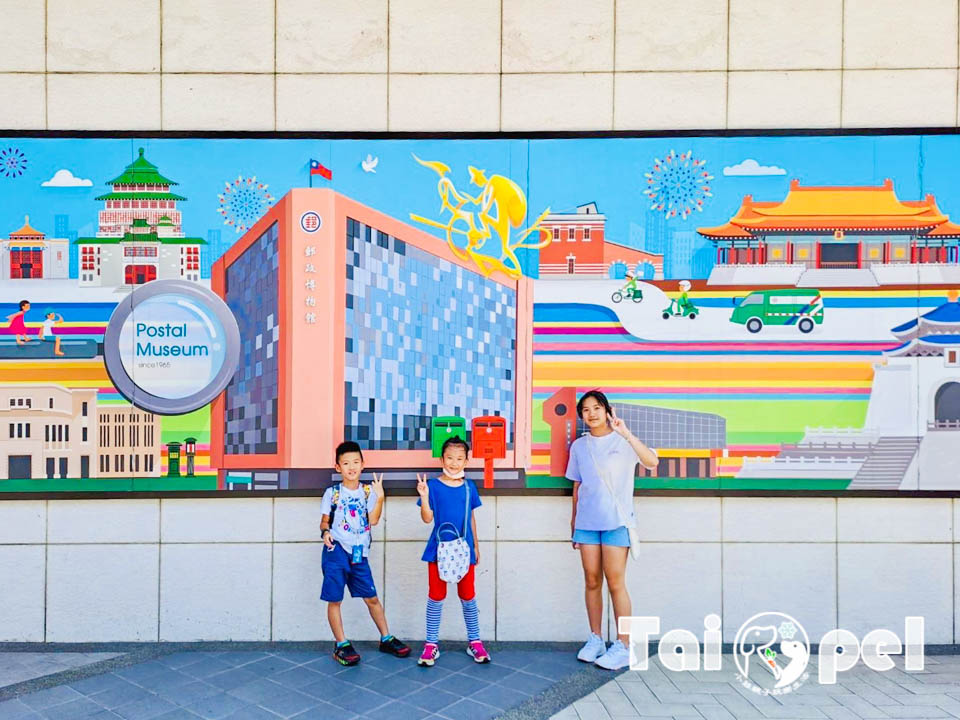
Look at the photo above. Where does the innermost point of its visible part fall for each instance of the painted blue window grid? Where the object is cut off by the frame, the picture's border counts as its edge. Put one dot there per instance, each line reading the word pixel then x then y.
pixel 251 398
pixel 424 337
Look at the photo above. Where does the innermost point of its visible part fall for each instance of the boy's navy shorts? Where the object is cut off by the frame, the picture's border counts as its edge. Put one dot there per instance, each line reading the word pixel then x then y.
pixel 339 572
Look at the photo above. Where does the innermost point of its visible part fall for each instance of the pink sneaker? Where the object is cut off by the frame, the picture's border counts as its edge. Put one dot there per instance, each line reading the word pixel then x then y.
pixel 429 655
pixel 479 653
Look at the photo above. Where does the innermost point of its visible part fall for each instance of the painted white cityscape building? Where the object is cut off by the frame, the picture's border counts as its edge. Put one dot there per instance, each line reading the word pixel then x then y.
pixel 140 236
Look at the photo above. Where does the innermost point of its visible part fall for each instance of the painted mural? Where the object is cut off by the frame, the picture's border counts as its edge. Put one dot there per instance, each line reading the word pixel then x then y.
pixel 770 312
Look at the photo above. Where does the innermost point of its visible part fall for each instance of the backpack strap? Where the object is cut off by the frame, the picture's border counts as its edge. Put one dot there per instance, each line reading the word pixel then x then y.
pixel 334 501
pixel 366 497
pixel 367 488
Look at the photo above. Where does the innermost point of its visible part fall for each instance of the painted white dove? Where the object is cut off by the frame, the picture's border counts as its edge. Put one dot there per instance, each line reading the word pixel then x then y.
pixel 370 164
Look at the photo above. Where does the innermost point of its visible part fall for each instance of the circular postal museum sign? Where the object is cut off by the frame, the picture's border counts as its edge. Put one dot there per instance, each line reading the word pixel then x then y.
pixel 171 347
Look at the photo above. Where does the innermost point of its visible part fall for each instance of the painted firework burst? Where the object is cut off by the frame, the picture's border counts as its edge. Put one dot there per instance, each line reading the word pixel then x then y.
pixel 678 184
pixel 243 201
pixel 13 163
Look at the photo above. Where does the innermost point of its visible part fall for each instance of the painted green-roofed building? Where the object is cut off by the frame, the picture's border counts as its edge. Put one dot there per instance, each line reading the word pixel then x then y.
pixel 139 237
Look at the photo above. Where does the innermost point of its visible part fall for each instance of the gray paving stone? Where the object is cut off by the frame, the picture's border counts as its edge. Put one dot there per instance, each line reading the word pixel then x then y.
pixel 205 667
pixel 252 712
pixel 189 693
pixel 254 692
pixel 468 709
pixel 268 665
pixel 99 683
pixel 288 703
pixel 525 682
pixel 216 706
pixel 920 711
pixel 73 710
pixel 358 700
pixel 145 709
pixel 397 687
pixel 14 709
pixel 840 713
pixel 297 676
pixel 431 698
pixel 111 699
pixel 500 697
pixel 323 711
pixel 230 679
pixel 860 706
pixel 51 696
pixel 714 712
pixel 463 684
pixel 397 711
pixel 361 675
pixel 674 710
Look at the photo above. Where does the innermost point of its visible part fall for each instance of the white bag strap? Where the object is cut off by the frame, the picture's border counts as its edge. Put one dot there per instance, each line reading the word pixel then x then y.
pixel 609 486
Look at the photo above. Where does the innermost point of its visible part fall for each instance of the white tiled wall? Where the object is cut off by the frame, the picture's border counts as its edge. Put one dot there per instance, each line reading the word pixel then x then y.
pixel 483 65
pixel 249 568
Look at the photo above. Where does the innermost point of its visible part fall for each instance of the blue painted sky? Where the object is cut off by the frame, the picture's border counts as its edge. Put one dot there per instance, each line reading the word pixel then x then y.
pixel 556 173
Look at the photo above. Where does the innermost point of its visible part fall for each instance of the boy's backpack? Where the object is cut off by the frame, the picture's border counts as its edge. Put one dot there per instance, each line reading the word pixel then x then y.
pixel 336 499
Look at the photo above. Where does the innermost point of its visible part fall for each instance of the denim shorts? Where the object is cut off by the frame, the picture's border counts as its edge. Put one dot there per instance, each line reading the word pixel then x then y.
pixel 617 538
pixel 339 572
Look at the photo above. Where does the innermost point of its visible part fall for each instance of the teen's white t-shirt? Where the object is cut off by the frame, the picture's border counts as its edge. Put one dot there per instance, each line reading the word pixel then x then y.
pixel 611 454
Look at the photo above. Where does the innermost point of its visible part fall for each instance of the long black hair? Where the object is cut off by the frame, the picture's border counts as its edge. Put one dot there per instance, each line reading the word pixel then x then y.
pixel 596 395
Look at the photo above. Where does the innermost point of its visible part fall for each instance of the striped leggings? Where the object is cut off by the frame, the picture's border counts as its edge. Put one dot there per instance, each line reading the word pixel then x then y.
pixel 468 601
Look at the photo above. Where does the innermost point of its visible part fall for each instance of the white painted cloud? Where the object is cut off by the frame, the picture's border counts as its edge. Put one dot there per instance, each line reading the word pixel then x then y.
pixel 751 167
pixel 65 178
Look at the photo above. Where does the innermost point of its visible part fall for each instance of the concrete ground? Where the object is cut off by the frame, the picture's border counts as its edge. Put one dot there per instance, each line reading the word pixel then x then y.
pixel 526 681
pixel 270 681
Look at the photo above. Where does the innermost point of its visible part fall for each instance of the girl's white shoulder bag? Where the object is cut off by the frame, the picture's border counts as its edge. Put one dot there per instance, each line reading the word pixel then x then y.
pixel 453 556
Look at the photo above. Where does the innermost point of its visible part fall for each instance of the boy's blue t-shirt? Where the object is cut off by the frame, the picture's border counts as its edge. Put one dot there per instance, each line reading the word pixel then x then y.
pixel 448 504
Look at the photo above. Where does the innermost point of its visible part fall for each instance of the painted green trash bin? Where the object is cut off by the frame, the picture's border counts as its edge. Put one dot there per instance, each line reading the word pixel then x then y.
pixel 445 427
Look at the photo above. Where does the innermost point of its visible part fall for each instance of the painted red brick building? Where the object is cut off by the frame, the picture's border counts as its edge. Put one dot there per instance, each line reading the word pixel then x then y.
pixel 580 247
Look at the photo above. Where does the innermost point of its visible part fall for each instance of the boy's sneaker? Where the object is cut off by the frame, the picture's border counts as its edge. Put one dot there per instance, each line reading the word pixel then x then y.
pixel 346 655
pixel 429 655
pixel 615 658
pixel 476 650
pixel 394 647
pixel 592 649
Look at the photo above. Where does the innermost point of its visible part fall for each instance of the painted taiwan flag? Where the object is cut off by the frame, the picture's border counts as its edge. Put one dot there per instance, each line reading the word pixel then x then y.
pixel 317 169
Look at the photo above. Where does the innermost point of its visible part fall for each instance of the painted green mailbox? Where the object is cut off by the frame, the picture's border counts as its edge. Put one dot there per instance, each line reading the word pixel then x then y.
pixel 443 428
pixel 173 459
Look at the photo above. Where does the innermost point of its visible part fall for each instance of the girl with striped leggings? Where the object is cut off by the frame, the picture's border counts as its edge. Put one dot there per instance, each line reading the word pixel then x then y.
pixel 445 500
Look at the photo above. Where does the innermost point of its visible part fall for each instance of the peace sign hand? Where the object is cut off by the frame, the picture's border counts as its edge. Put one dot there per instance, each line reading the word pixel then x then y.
pixel 618 425
pixel 422 489
pixel 378 484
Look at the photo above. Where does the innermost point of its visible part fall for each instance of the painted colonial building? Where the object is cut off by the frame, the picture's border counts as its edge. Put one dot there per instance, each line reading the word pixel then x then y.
pixel 580 247
pixel 47 431
pixel 28 254
pixel 140 236
pixel 128 442
pixel 854 228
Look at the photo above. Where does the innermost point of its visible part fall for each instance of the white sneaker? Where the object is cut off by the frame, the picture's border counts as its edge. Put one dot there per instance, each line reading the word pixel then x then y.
pixel 594 648
pixel 616 658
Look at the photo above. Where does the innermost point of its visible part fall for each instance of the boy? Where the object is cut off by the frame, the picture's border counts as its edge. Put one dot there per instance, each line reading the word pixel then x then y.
pixel 46 332
pixel 348 511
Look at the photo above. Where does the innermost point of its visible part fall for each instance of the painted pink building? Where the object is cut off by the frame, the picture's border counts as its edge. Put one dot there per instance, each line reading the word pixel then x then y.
pixel 357 326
